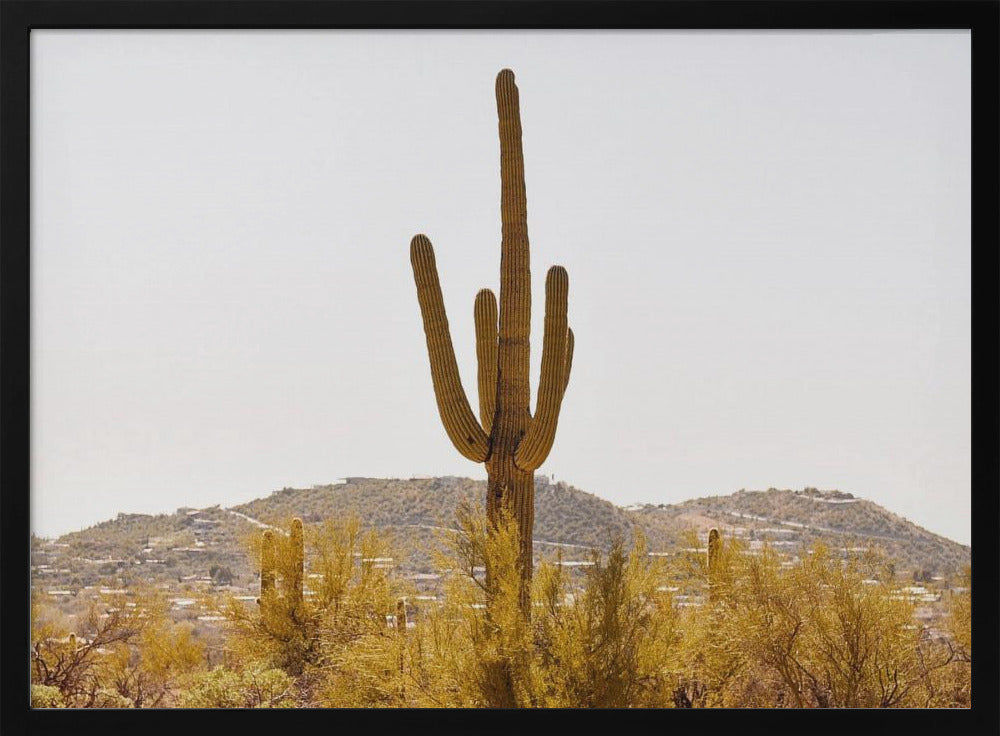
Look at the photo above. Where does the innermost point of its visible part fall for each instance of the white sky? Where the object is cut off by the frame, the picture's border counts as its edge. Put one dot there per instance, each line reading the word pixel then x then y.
pixel 767 236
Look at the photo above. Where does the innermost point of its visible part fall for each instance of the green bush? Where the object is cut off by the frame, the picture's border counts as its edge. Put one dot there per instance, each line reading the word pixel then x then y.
pixel 251 688
pixel 46 696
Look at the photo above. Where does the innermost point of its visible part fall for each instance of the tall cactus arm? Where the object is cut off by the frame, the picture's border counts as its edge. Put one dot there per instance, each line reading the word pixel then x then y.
pixel 486 354
pixel 569 355
pixel 453 406
pixel 514 361
pixel 513 200
pixel 535 446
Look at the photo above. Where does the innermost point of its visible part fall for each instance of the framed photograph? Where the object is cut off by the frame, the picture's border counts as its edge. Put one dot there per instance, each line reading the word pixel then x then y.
pixel 396 361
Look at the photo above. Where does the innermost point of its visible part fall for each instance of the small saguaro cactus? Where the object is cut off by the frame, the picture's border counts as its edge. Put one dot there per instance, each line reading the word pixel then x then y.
pixel 292 582
pixel 714 552
pixel 507 438
pixel 298 561
pixel 267 572
pixel 401 615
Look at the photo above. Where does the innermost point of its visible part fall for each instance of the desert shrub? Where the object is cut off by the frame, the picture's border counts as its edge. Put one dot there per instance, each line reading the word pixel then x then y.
pixel 827 632
pixel 109 698
pixel 609 642
pixel 124 651
pixel 599 642
pixel 252 687
pixel 950 686
pixel 46 696
pixel 150 671
pixel 346 596
pixel 960 617
pixel 75 662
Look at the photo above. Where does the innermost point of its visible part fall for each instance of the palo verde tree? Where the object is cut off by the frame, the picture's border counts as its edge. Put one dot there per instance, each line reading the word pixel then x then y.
pixel 124 652
pixel 507 438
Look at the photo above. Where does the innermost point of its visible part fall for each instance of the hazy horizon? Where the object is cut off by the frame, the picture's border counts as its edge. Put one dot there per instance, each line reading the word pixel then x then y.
pixel 768 240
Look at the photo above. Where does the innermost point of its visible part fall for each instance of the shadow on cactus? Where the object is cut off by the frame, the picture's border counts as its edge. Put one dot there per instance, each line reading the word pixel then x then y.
pixel 507 437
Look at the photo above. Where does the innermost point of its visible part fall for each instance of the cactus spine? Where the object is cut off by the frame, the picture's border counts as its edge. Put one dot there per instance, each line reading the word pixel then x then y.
pixel 507 438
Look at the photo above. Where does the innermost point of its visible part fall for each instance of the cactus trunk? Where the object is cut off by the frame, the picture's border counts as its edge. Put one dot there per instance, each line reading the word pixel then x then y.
pixel 510 441
pixel 510 487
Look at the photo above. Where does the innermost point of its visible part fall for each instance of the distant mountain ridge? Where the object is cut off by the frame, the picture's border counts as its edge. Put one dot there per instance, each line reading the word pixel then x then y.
pixel 414 510
pixel 793 519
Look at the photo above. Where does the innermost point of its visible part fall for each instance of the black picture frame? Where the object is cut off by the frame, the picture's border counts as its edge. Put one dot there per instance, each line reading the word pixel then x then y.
pixel 19 17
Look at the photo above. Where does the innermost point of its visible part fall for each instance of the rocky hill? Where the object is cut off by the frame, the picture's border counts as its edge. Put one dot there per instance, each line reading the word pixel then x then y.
pixel 791 520
pixel 209 545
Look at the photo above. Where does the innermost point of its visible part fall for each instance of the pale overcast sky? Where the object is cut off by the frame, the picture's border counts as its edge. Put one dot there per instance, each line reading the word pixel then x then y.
pixel 767 237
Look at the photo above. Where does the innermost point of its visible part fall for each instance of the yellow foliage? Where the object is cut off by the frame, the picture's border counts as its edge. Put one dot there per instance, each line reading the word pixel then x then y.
pixel 124 652
pixel 599 643
pixel 625 629
pixel 829 632
pixel 960 616
pixel 348 590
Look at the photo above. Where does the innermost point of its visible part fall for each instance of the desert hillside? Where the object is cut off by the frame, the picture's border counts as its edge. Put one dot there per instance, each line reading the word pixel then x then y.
pixel 212 542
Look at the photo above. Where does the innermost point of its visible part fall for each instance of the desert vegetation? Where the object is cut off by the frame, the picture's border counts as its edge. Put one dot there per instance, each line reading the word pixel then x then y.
pixel 714 624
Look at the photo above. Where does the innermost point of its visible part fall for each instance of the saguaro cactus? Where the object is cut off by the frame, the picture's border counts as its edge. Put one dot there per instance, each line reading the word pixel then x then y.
pixel 401 615
pixel 292 583
pixel 267 571
pixel 298 562
pixel 507 438
pixel 714 552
